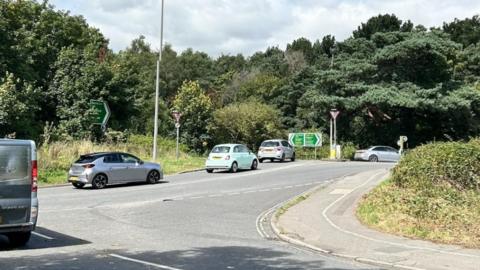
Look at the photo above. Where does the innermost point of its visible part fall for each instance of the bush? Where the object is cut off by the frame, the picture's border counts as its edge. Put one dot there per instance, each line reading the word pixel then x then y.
pixel 454 164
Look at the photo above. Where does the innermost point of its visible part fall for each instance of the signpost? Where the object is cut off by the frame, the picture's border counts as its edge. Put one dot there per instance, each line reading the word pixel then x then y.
pixel 333 129
pixel 176 115
pixel 306 140
pixel 401 142
pixel 101 113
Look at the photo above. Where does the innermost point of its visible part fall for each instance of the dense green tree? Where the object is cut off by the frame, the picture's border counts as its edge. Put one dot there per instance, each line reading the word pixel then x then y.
pixel 196 109
pixel 466 31
pixel 381 23
pixel 249 123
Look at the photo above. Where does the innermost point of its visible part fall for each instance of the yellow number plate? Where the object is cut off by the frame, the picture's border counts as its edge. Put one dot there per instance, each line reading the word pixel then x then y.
pixel 217 158
pixel 73 178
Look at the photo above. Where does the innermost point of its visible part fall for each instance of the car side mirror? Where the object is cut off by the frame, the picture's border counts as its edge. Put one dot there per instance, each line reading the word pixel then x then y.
pixel 141 162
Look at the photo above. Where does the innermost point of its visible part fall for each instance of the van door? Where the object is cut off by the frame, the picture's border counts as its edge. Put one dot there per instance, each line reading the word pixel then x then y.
pixel 15 183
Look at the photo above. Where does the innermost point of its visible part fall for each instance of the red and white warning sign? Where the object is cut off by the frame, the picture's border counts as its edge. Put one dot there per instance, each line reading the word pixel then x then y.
pixel 334 114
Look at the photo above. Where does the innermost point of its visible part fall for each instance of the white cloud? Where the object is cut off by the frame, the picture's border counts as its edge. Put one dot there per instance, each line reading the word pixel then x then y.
pixel 231 26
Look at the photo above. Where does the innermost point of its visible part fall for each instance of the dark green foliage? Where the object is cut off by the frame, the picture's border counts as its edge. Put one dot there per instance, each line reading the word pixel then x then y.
pixel 452 164
pixel 390 79
pixel 382 23
pixel 466 32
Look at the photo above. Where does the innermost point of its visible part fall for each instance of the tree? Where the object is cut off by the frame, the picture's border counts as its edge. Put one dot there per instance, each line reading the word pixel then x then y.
pixel 466 31
pixel 17 108
pixel 381 23
pixel 304 46
pixel 424 59
pixel 196 109
pixel 249 123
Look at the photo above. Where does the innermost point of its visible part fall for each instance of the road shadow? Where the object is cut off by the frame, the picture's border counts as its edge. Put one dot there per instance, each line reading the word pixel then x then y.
pixel 125 185
pixel 38 241
pixel 207 258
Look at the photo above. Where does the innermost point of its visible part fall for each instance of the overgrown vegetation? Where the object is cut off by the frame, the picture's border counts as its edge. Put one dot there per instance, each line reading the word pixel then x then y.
pixel 389 78
pixel 55 158
pixel 434 194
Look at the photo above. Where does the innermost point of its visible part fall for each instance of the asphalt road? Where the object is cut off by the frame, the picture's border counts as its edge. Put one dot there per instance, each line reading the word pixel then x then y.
pixel 193 221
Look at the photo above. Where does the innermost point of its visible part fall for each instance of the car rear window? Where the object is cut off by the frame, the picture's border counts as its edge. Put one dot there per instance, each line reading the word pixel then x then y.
pixel 221 149
pixel 87 158
pixel 270 144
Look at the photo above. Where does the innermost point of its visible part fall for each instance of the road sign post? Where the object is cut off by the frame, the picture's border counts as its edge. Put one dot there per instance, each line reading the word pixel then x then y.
pixel 176 115
pixel 306 140
pixel 100 113
pixel 333 146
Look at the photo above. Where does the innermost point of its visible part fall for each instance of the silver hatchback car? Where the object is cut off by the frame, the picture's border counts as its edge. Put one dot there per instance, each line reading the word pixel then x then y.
pixel 276 150
pixel 378 153
pixel 100 169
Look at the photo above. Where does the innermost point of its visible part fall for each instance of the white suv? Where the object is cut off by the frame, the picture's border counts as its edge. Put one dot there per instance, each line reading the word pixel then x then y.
pixel 276 150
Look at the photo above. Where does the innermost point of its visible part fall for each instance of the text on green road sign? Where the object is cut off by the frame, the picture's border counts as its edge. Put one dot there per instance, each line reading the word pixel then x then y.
pixel 305 139
pixel 100 112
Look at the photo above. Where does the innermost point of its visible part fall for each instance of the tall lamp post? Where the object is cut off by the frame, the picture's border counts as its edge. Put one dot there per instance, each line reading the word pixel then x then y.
pixel 157 88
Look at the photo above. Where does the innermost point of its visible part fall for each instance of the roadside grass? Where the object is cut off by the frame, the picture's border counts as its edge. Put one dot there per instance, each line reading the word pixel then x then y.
pixel 439 214
pixel 54 159
pixel 282 210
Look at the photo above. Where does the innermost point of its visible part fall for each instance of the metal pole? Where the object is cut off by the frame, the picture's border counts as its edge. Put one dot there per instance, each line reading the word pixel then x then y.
pixel 335 136
pixel 178 135
pixel 331 136
pixel 157 88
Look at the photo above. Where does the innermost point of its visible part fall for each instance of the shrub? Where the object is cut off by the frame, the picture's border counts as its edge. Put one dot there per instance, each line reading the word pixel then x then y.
pixel 454 164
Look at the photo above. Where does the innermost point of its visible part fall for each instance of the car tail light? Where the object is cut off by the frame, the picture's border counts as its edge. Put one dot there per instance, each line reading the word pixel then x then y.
pixel 34 176
pixel 88 166
pixel 227 157
pixel 260 149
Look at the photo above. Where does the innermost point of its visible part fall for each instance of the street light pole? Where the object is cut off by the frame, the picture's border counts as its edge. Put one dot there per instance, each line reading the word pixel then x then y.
pixel 157 88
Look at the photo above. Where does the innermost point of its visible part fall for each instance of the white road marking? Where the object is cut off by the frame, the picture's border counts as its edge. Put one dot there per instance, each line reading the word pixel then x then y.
pixel 325 216
pixel 43 236
pixel 143 262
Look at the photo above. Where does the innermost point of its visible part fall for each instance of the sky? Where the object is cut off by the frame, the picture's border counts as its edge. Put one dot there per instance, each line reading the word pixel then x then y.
pixel 245 26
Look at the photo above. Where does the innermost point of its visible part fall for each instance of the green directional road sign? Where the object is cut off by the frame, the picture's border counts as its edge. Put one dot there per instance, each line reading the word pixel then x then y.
pixel 297 139
pixel 101 112
pixel 305 139
pixel 313 139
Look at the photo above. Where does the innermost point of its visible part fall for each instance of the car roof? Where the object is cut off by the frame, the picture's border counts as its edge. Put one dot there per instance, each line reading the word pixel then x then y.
pixel 104 153
pixel 274 140
pixel 379 146
pixel 228 144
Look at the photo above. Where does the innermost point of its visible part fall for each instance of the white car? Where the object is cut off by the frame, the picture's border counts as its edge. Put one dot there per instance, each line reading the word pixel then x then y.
pixel 276 150
pixel 378 153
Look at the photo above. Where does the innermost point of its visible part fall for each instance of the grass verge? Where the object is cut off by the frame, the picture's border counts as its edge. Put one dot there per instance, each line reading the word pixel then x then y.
pixel 440 214
pixel 55 159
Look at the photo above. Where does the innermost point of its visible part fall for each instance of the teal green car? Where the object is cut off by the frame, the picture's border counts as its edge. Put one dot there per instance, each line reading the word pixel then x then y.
pixel 232 157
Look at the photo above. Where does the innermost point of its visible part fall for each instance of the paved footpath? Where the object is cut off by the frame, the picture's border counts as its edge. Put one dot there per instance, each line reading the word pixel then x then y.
pixel 326 222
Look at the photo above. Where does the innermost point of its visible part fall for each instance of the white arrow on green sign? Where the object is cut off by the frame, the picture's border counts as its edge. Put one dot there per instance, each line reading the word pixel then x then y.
pixel 305 139
pixel 101 112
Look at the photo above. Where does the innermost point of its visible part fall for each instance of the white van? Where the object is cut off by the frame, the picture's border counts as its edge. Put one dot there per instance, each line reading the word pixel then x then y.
pixel 18 190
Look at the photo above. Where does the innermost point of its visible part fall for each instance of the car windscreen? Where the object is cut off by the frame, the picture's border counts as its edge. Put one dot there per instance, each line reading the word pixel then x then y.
pixel 87 159
pixel 221 149
pixel 270 144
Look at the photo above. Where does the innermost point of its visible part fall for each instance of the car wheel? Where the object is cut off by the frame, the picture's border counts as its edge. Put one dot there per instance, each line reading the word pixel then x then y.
pixel 293 157
pixel 234 167
pixel 283 158
pixel 254 164
pixel 271 160
pixel 209 170
pixel 373 158
pixel 18 239
pixel 261 160
pixel 153 177
pixel 99 181
pixel 78 185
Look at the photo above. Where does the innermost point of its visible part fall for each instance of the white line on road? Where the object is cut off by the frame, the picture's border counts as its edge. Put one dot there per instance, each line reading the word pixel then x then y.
pixel 143 262
pixel 335 226
pixel 43 236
